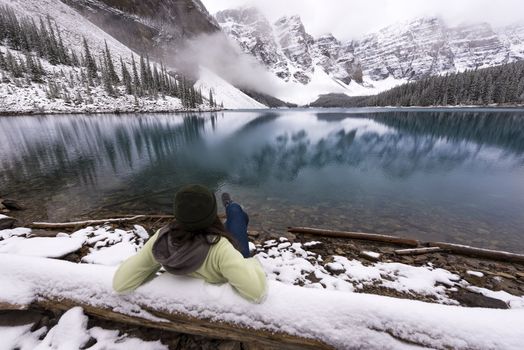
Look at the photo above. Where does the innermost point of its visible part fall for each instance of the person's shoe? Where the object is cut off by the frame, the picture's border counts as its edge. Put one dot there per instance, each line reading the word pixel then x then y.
pixel 226 199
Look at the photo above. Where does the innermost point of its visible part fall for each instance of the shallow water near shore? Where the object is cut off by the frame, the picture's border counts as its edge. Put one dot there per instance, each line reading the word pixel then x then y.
pixel 454 175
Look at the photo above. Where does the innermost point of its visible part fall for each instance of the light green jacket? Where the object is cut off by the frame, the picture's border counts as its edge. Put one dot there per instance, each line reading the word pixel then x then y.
pixel 223 264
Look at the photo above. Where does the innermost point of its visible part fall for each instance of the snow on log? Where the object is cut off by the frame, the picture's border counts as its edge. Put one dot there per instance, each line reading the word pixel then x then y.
pixel 479 252
pixel 417 251
pixel 293 316
pixel 355 235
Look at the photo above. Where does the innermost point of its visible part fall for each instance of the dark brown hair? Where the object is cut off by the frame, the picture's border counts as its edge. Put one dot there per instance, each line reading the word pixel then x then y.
pixel 212 234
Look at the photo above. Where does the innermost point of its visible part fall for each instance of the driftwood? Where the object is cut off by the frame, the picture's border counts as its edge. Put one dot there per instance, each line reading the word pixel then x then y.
pixel 417 251
pixel 421 247
pixel 355 235
pixel 479 252
pixel 181 323
pixel 51 225
pixel 96 222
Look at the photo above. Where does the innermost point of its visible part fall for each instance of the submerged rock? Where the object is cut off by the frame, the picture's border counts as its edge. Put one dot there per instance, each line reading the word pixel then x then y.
pixel 6 222
pixel 11 204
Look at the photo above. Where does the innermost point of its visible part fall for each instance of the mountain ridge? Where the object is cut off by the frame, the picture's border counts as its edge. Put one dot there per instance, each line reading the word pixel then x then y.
pixel 404 51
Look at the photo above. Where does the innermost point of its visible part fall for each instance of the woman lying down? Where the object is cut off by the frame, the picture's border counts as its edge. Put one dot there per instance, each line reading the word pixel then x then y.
pixel 197 244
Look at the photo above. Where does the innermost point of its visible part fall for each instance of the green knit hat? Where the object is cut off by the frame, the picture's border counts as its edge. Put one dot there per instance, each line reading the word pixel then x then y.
pixel 195 207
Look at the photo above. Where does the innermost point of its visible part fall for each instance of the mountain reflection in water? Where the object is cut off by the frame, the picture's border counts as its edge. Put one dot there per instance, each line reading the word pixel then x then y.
pixel 454 175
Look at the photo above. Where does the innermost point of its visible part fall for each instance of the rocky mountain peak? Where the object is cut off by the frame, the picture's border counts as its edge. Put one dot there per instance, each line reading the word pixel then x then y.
pixel 295 43
pixel 404 51
pixel 241 15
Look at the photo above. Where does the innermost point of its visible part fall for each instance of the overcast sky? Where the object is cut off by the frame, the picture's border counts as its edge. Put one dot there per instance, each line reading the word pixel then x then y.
pixel 350 19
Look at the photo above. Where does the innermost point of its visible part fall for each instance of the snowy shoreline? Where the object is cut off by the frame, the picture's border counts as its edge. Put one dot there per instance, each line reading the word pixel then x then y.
pixel 102 112
pixel 333 290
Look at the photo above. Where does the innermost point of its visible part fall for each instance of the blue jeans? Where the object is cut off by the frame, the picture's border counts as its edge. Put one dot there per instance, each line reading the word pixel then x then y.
pixel 236 224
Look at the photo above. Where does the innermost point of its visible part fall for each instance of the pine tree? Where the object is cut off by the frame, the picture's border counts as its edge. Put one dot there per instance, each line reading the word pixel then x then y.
pixel 3 63
pixel 53 55
pixel 126 78
pixel 156 80
pixel 110 67
pixel 90 62
pixel 33 68
pixel 74 59
pixel 211 100
pixel 106 76
pixel 136 80
pixel 149 74
pixel 143 76
pixel 62 52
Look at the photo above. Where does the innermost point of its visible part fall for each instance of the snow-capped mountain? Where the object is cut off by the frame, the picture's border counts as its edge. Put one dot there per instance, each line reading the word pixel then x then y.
pixel 286 48
pixel 427 46
pixel 395 54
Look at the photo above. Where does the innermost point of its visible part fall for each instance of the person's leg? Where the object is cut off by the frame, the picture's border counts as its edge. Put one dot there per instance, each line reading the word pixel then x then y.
pixel 236 224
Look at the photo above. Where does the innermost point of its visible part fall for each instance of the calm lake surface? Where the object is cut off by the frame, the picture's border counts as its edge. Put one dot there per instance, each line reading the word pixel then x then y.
pixel 453 175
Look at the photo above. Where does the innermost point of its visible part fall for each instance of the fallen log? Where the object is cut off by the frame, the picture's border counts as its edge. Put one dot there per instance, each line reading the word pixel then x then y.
pixel 355 235
pixel 291 316
pixel 479 252
pixel 185 324
pixel 12 307
pixel 96 222
pixel 418 251
pixel 51 225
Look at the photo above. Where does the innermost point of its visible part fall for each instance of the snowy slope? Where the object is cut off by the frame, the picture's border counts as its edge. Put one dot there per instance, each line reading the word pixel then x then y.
pixel 224 92
pixel 73 28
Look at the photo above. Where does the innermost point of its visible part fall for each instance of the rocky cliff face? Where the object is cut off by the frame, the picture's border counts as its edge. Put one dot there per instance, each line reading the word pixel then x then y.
pixel 152 26
pixel 286 48
pixel 427 46
pixel 408 50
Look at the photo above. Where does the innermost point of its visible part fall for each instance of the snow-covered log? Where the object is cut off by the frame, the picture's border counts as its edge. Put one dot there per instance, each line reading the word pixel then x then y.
pixel 185 324
pixel 293 315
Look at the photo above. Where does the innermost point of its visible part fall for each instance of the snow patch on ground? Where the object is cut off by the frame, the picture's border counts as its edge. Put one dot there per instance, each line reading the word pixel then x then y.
pixel 19 231
pixel 20 337
pixel 111 246
pixel 108 246
pixel 50 247
pixel 293 264
pixel 71 333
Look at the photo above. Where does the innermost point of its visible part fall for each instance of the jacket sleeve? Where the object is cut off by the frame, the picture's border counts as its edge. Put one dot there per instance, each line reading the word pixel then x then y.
pixel 245 275
pixel 137 269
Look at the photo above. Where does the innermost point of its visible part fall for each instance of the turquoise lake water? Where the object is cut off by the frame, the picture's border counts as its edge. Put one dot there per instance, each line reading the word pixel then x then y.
pixel 455 175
